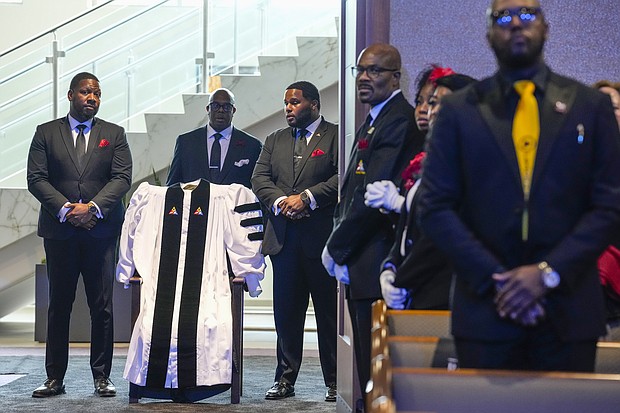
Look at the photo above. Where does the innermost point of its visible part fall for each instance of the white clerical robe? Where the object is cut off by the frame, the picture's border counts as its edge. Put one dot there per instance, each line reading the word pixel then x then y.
pixel 163 227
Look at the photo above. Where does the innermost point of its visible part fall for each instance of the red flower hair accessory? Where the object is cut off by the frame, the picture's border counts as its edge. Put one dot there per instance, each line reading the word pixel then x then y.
pixel 413 171
pixel 439 72
pixel 103 143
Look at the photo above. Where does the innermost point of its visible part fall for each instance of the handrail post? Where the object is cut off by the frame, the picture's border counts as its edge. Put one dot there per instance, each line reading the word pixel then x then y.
pixel 205 45
pixel 204 71
pixel 53 59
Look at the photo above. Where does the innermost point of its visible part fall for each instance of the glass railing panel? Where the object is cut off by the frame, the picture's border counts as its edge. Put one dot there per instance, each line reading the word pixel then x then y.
pixel 146 61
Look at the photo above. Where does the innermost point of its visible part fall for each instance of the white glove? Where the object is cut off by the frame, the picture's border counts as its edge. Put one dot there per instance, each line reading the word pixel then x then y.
pixel 394 297
pixel 328 262
pixel 342 273
pixel 383 194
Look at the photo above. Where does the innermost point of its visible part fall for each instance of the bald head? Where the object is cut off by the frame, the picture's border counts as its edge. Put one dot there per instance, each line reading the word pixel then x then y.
pixel 378 73
pixel 222 92
pixel 388 53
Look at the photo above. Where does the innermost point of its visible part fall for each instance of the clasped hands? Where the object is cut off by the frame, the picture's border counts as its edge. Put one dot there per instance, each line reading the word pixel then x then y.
pixel 383 195
pixel 293 208
pixel 519 293
pixel 78 216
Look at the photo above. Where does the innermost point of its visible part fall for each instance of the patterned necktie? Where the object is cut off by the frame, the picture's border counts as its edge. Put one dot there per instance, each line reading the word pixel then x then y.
pixel 80 145
pixel 525 134
pixel 216 155
pixel 300 147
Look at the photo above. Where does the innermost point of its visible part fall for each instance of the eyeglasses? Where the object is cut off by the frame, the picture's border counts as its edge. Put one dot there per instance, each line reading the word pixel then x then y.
pixel 373 72
pixel 226 107
pixel 527 15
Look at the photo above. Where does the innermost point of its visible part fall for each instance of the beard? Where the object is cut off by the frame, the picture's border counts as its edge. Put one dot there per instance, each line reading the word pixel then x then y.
pixel 514 57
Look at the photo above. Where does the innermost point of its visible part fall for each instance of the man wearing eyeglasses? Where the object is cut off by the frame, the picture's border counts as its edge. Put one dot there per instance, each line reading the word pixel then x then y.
pixel 362 236
pixel 218 152
pixel 521 189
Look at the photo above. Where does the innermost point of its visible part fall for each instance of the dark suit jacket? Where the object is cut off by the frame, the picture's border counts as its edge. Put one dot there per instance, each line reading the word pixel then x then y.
pixel 472 202
pixel 273 177
pixel 191 161
pixel 55 178
pixel 424 269
pixel 362 236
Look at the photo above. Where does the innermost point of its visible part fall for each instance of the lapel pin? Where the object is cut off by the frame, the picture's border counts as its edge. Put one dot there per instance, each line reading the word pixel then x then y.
pixel 581 133
pixel 560 107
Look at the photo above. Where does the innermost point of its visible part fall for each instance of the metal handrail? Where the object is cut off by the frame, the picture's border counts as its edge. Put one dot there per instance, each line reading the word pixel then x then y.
pixel 24 43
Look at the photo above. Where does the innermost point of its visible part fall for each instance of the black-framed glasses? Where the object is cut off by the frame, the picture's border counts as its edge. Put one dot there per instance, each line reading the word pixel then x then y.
pixel 226 107
pixel 527 15
pixel 373 72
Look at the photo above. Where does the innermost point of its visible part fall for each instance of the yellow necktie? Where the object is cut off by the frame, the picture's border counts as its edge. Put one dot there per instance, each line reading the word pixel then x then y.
pixel 525 133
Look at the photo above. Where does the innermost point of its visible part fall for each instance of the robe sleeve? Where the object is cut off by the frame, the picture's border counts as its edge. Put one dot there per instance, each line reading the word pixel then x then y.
pixel 243 237
pixel 125 267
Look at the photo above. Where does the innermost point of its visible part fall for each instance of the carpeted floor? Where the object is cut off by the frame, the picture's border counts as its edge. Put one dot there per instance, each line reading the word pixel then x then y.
pixel 15 395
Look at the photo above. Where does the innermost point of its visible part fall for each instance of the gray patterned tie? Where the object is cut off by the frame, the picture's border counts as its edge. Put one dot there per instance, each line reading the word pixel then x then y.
pixel 300 147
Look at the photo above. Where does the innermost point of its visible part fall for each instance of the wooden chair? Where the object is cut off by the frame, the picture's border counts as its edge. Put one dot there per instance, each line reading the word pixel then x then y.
pixel 237 342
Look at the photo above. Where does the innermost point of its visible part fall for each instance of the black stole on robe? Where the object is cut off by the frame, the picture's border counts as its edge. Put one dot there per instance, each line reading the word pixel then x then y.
pixel 166 287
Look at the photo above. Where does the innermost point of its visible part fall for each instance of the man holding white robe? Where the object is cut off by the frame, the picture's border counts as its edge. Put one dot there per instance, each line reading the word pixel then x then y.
pixel 177 239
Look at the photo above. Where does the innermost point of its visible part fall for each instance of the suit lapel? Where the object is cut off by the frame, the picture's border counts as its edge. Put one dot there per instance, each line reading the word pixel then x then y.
pixel 235 151
pixel 67 138
pixel 493 110
pixel 93 142
pixel 557 103
pixel 314 142
pixel 207 170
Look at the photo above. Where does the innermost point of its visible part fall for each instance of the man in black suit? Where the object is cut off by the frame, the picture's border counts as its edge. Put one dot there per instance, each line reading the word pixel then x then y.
pixel 235 151
pixel 362 236
pixel 79 168
pixel 524 216
pixel 296 180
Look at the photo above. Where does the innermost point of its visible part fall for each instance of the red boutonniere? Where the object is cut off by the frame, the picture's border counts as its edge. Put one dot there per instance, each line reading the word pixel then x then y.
pixel 240 143
pixel 362 144
pixel 317 152
pixel 103 143
pixel 413 171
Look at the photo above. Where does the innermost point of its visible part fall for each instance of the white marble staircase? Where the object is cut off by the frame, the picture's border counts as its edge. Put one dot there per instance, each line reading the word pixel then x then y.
pixel 259 109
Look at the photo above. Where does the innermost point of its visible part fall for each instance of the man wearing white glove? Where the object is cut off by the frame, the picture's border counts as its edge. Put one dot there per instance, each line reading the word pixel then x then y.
pixel 383 145
pixel 383 195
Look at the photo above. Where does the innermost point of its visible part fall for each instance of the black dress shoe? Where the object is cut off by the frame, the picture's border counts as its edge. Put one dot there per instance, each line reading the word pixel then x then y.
pixel 104 387
pixel 280 390
pixel 51 387
pixel 331 393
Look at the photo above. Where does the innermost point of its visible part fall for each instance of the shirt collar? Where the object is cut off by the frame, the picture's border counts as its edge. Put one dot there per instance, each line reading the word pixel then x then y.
pixel 313 126
pixel 375 110
pixel 226 133
pixel 73 122
pixel 539 77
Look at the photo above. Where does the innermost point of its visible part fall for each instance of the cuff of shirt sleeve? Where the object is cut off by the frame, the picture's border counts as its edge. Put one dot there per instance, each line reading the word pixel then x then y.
pixel 62 214
pixel 253 284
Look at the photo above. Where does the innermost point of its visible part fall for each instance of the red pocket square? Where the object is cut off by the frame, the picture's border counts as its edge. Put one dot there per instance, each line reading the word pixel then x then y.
pixel 317 152
pixel 103 143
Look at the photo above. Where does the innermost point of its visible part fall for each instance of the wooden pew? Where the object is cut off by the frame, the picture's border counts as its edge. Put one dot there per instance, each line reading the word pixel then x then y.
pixel 493 391
pixel 411 384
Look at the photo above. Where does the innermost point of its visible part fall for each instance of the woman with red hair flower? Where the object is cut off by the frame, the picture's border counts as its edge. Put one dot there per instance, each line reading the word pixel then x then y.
pixel 416 274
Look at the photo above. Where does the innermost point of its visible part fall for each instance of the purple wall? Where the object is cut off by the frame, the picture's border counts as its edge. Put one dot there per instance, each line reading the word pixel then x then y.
pixel 584 37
